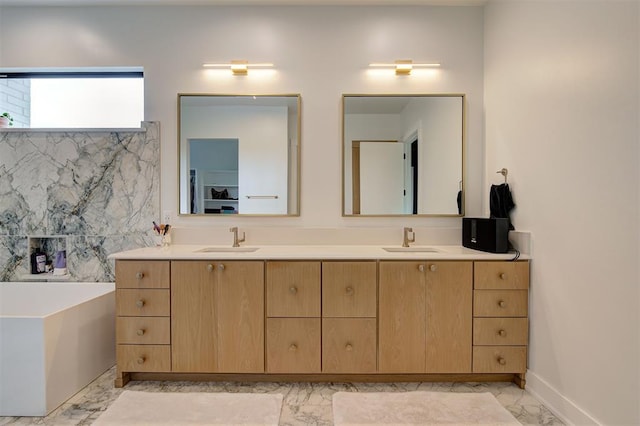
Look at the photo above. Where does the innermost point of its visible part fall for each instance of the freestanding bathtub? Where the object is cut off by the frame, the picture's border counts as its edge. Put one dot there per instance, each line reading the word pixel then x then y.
pixel 55 338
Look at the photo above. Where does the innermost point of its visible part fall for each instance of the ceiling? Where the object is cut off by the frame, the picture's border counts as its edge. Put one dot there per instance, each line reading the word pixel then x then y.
pixel 243 2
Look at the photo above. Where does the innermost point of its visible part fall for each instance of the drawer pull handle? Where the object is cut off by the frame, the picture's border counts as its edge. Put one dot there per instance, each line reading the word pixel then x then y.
pixel 421 268
pixel 503 276
pixel 502 361
pixel 349 290
pixel 140 360
pixel 140 332
pixel 210 267
pixel 433 267
pixel 293 290
pixel 140 303
pixel 139 275
pixel 502 303
pixel 502 333
pixel 221 267
pixel 293 347
pixel 348 347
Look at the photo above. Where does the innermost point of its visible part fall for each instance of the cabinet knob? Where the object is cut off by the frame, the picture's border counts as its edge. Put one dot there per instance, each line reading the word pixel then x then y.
pixel 139 275
pixel 503 276
pixel 502 361
pixel 502 303
pixel 140 303
pixel 421 268
pixel 140 360
pixel 140 332
pixel 293 290
pixel 209 267
pixel 221 266
pixel 502 333
pixel 348 347
pixel 349 290
pixel 293 347
pixel 433 267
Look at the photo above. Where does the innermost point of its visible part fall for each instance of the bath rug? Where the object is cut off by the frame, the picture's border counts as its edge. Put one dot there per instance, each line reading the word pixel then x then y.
pixel 418 408
pixel 190 408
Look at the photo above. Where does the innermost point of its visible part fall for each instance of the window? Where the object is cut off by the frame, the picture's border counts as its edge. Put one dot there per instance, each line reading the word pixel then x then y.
pixel 73 98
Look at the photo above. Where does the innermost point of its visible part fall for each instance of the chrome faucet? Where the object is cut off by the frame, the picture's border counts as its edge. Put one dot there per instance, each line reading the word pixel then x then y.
pixel 236 241
pixel 405 237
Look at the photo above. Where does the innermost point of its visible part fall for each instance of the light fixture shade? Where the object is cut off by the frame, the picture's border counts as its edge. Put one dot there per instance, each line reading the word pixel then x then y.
pixel 237 66
pixel 404 66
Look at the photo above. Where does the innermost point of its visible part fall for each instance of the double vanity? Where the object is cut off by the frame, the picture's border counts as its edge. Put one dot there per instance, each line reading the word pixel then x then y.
pixel 323 313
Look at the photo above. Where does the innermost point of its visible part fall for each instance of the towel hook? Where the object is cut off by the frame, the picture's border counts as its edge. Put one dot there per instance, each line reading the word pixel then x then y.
pixel 504 173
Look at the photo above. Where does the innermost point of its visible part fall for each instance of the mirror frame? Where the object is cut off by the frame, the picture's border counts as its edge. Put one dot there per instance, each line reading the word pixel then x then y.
pixel 407 95
pixel 298 161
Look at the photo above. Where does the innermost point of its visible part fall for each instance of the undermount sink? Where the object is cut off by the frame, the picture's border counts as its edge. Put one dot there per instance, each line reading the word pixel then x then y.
pixel 227 250
pixel 411 249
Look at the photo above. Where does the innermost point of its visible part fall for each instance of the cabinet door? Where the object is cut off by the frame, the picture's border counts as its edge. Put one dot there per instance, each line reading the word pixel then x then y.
pixel 401 317
pixel 348 289
pixel 449 317
pixel 240 316
pixel 293 345
pixel 193 315
pixel 349 345
pixel 293 289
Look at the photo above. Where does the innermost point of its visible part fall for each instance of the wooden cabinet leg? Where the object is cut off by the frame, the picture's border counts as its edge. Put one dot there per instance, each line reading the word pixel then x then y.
pixel 519 380
pixel 121 379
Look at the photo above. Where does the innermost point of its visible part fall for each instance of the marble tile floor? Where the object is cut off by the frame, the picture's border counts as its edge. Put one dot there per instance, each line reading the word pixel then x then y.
pixel 304 403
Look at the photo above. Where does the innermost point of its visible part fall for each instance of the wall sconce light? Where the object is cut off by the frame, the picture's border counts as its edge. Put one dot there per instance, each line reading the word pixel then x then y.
pixel 404 66
pixel 238 67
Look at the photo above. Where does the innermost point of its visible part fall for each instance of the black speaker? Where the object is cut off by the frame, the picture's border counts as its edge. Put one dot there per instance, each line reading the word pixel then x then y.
pixel 486 234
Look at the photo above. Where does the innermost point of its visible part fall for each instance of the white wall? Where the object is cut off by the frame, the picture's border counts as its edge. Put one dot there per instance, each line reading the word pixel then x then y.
pixel 562 113
pixel 319 52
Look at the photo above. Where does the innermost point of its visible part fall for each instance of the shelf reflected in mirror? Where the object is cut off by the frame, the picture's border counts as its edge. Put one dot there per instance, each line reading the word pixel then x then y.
pixel 403 155
pixel 239 154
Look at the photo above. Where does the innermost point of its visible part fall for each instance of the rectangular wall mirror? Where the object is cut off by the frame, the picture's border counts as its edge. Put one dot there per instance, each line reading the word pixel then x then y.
pixel 239 154
pixel 403 155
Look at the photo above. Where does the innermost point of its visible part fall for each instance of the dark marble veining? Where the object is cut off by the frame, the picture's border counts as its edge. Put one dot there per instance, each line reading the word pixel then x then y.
pixel 98 189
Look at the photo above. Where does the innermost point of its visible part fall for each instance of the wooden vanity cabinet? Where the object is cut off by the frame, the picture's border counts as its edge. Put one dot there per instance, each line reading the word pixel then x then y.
pixel 425 316
pixel 217 316
pixel 323 318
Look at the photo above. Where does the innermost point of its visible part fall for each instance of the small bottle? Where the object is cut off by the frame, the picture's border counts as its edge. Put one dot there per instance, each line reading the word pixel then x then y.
pixel 38 262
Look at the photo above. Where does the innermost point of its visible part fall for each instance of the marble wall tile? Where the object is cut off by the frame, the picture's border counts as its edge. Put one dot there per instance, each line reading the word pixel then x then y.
pixel 98 188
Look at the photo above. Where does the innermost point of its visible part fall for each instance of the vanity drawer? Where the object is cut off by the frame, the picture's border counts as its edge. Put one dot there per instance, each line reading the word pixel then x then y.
pixel 143 330
pixel 500 331
pixel 150 303
pixel 500 303
pixel 501 275
pixel 142 274
pixel 349 345
pixel 349 289
pixel 156 358
pixel 293 289
pixel 499 359
pixel 293 345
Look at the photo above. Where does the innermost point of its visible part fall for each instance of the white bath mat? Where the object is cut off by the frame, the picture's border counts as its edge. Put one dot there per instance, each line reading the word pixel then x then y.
pixel 418 408
pixel 163 408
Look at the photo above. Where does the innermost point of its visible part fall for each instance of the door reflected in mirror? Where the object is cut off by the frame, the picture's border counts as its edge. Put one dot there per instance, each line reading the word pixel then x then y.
pixel 403 155
pixel 239 154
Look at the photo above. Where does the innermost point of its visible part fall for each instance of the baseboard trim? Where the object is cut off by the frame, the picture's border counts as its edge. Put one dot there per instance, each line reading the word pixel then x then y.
pixel 568 411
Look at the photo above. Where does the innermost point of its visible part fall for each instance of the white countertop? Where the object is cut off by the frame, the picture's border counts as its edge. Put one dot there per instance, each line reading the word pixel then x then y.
pixel 329 252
